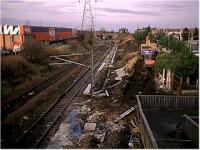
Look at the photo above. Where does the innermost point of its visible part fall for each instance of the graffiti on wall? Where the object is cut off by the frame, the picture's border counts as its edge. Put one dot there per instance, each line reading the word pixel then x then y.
pixel 52 32
pixel 27 29
pixel 9 29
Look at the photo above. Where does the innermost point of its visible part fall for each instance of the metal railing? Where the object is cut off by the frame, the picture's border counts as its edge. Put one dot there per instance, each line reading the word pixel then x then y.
pixel 168 102
pixel 191 129
pixel 147 135
pixel 159 102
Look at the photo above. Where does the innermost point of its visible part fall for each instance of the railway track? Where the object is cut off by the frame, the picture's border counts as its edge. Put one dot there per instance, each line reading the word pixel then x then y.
pixel 40 128
pixel 25 97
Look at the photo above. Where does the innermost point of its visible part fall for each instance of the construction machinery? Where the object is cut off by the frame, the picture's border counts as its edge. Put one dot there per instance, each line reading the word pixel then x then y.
pixel 148 53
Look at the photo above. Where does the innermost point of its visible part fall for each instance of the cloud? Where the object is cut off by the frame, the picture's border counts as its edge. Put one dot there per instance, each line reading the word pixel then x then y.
pixel 175 6
pixel 24 2
pixel 127 11
pixel 12 1
pixel 108 13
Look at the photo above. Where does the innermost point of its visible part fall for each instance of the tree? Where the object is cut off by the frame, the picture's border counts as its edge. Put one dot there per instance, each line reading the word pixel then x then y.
pixel 185 34
pixel 164 60
pixel 123 30
pixel 141 35
pixel 196 34
pixel 172 43
pixel 183 63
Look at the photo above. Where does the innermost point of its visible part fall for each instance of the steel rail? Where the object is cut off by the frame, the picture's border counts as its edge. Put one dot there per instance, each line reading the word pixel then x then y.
pixel 25 97
pixel 54 112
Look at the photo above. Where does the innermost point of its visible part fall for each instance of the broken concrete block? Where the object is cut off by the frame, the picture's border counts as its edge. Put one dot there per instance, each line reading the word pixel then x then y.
pixel 82 110
pixel 92 118
pixel 25 117
pixel 87 90
pixel 101 136
pixel 106 93
pixel 31 93
pixel 134 142
pixel 90 126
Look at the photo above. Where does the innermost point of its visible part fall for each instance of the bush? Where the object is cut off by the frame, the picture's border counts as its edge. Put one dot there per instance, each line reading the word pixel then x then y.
pixel 35 52
pixel 86 37
pixel 77 48
pixel 15 66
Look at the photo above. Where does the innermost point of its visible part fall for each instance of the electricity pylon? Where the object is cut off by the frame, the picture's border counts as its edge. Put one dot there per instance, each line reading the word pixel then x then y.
pixel 88 18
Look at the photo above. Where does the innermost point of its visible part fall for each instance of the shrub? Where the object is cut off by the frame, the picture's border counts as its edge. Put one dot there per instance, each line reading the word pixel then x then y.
pixel 86 37
pixel 15 66
pixel 77 48
pixel 35 52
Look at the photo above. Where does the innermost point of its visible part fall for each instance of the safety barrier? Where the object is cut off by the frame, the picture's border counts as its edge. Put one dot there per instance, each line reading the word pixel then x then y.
pixel 160 102
pixel 191 129
pixel 168 102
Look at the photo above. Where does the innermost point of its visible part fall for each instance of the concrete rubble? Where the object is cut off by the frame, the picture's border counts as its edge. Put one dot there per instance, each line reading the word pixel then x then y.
pixel 90 126
pixel 125 114
pixel 100 136
pixel 87 90
pixel 121 72
pixel 25 117
pixel 95 116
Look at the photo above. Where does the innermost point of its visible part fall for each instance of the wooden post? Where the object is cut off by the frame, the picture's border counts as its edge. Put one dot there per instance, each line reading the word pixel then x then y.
pixel 197 84
pixel 171 81
pixel 163 78
pixel 179 88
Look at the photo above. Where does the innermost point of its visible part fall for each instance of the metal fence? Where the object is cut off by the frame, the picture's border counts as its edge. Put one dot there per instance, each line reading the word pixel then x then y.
pixel 159 102
pixel 147 136
pixel 191 129
pixel 168 102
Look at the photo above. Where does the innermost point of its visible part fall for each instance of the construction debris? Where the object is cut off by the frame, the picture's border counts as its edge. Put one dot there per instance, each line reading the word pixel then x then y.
pixel 134 142
pixel 90 126
pixel 100 95
pixel 125 114
pixel 101 67
pixel 83 103
pixel 87 90
pixel 100 136
pixel 83 110
pixel 106 93
pixel 31 93
pixel 25 117
pixel 121 72
pixel 94 117
pixel 114 101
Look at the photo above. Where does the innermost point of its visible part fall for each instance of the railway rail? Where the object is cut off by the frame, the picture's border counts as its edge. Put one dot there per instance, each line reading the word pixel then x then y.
pixel 25 97
pixel 22 99
pixel 40 128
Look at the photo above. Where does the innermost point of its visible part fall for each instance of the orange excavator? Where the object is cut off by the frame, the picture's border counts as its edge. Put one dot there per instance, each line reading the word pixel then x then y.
pixel 148 53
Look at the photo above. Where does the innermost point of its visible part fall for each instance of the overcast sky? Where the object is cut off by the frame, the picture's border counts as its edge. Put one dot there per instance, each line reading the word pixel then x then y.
pixel 111 14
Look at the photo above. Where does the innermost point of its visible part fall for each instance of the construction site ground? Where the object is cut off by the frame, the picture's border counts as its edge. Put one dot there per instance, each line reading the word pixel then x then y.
pixel 90 123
